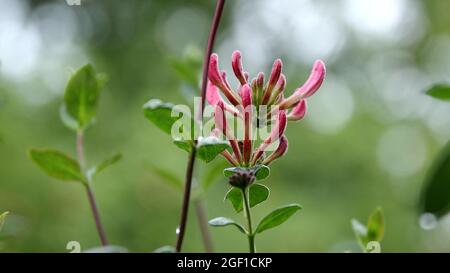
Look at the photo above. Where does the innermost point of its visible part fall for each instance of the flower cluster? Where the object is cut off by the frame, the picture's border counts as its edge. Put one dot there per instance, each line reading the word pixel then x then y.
pixel 246 103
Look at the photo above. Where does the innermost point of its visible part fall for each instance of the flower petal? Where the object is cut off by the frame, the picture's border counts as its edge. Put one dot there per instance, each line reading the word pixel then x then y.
pixel 298 112
pixel 313 84
pixel 236 63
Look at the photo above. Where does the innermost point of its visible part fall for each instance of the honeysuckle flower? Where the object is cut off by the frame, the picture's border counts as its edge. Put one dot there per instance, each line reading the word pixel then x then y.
pixel 250 96
pixel 279 152
pixel 298 112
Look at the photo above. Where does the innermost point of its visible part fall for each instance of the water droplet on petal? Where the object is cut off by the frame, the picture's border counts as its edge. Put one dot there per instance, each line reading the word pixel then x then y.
pixel 428 221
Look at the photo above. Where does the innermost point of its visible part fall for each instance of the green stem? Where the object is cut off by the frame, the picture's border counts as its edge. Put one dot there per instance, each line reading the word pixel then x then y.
pixel 251 236
pixel 90 194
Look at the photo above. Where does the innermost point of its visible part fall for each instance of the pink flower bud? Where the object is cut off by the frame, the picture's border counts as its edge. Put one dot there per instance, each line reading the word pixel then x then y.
pixel 246 95
pixel 315 80
pixel 221 124
pixel 298 112
pixel 212 94
pixel 276 72
pixel 281 84
pixel 215 76
pixel 220 119
pixel 213 97
pixel 313 84
pixel 224 78
pixel 279 128
pixel 277 131
pixel 246 76
pixel 236 63
pixel 260 80
pixel 279 152
pixel 258 85
pixel 273 79
pixel 279 88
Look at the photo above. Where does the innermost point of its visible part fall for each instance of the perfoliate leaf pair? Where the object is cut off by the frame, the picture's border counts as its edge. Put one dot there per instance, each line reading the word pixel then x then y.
pixel 273 219
pixel 161 115
pixel 257 194
pixel 260 171
pixel 372 232
pixel 81 98
pixel 60 166
pixel 2 219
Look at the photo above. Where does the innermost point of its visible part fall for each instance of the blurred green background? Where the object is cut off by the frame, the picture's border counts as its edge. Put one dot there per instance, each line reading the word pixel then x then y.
pixel 368 139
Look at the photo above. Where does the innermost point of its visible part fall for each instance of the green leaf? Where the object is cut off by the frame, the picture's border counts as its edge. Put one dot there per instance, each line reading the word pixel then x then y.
pixel 185 145
pixel 165 249
pixel 160 113
pixel 168 177
pixel 234 195
pixel 189 66
pixel 374 231
pixel 104 164
pixel 277 217
pixel 2 219
pixel 360 231
pixel 57 165
pixel 439 91
pixel 209 147
pixel 261 172
pixel 222 222
pixel 164 115
pixel 81 97
pixel 435 197
pixel 257 194
pixel 375 226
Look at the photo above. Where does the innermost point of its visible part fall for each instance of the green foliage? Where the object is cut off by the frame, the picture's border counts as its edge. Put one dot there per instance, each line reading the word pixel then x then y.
pixel 185 145
pixel 277 217
pixel 81 97
pixel 439 91
pixel 210 147
pixel 188 67
pixel 163 115
pixel 57 165
pixel 373 231
pixel 104 164
pixel 160 114
pixel 3 219
pixel 257 194
pixel 261 171
pixel 223 222
pixel 435 195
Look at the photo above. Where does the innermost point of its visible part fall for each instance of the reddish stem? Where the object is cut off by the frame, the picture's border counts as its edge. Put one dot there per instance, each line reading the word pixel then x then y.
pixel 190 168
